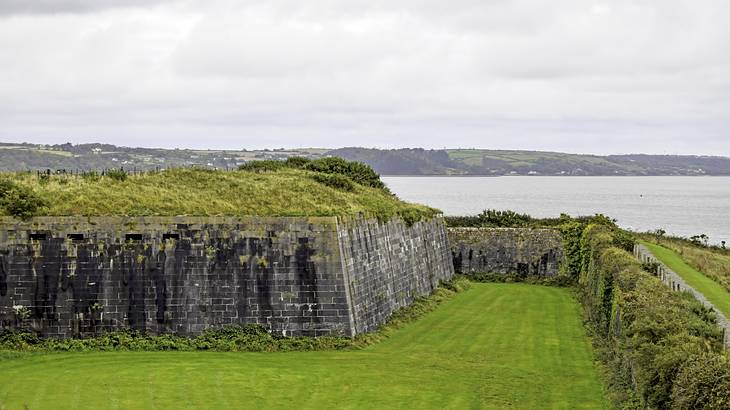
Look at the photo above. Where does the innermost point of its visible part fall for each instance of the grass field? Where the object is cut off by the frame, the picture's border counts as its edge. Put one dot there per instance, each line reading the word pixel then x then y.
pixel 712 290
pixel 493 346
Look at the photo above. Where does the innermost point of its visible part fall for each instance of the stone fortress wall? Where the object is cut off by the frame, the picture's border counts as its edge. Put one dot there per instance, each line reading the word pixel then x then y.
pixel 506 250
pixel 78 276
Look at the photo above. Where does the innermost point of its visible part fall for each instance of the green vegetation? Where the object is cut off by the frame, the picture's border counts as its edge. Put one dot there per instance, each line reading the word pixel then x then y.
pixel 494 346
pixel 247 338
pixel 546 163
pixel 712 290
pixel 493 218
pixel 662 349
pixel 713 262
pixel 185 191
pixel 85 157
pixel 406 161
pixel 499 162
pixel 18 200
pixel 354 171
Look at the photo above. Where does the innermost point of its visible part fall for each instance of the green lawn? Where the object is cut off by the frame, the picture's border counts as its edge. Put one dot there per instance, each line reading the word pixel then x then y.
pixel 712 290
pixel 493 346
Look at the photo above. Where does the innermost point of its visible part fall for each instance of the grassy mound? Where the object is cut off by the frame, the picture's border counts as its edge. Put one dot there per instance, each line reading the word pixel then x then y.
pixel 283 192
pixel 493 346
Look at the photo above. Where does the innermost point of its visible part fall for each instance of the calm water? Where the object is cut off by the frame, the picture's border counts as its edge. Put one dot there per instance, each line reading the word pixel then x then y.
pixel 681 205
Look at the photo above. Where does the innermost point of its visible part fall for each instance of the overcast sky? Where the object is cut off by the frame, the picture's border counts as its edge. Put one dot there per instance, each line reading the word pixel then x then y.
pixel 587 76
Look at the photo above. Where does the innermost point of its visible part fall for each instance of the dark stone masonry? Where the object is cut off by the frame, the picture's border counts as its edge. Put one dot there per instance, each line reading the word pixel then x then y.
pixel 77 276
pixel 506 250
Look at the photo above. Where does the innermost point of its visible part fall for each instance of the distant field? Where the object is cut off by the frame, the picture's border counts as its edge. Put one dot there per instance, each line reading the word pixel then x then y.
pixel 712 290
pixel 494 346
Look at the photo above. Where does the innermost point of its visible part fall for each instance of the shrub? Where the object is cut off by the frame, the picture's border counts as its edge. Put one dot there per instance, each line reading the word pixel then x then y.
pixel 267 165
pixel 19 201
pixel 645 333
pixel 117 174
pixel 356 171
pixel 297 162
pixel 336 181
pixel 492 218
pixel 703 383
pixel 90 176
pixel 557 280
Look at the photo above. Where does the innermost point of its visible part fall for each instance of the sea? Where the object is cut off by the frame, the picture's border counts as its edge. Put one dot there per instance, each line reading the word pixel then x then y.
pixel 682 206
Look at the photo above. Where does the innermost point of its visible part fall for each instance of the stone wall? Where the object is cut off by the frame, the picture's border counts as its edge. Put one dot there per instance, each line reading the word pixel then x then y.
pixel 388 265
pixel 506 250
pixel 69 276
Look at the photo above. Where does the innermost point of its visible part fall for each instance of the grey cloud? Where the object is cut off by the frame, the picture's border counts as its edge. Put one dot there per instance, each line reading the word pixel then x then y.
pixel 11 7
pixel 614 76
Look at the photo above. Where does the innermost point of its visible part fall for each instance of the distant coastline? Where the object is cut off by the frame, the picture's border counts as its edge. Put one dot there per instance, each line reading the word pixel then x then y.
pixel 387 162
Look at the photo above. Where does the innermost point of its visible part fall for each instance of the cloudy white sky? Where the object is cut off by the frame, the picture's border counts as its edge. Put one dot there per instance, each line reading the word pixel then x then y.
pixel 614 76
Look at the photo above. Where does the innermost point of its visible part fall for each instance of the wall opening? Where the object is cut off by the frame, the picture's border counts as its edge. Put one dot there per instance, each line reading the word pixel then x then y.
pixel 166 236
pixel 38 236
pixel 75 236
pixel 133 237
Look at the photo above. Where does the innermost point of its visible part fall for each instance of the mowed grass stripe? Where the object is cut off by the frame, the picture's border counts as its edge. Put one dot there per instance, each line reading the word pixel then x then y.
pixel 712 290
pixel 494 346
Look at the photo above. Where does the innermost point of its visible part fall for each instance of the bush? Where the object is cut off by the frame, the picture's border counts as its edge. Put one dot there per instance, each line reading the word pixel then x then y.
pixel 491 218
pixel 356 171
pixel 645 334
pixel 19 201
pixel 557 280
pixel 336 181
pixel 117 174
pixel 703 383
pixel 297 162
pixel 90 176
pixel 267 165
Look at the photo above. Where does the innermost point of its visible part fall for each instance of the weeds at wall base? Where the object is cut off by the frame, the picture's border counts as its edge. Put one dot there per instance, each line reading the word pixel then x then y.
pixel 562 281
pixel 246 338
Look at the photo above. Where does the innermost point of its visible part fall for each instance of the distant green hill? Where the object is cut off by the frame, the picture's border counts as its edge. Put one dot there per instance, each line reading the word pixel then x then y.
pixel 499 162
pixel 405 161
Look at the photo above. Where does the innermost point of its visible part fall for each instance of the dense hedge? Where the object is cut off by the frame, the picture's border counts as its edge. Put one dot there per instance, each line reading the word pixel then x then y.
pixel 493 218
pixel 662 349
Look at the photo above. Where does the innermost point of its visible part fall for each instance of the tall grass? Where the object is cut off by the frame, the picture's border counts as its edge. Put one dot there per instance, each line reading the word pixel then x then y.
pixel 185 191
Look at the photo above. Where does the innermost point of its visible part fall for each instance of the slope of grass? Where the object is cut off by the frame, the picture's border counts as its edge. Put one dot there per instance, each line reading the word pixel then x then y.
pixel 494 346
pixel 204 192
pixel 712 290
pixel 714 263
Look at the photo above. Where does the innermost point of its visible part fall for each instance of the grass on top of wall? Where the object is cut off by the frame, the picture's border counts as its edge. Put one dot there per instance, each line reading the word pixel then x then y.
pixel 185 191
